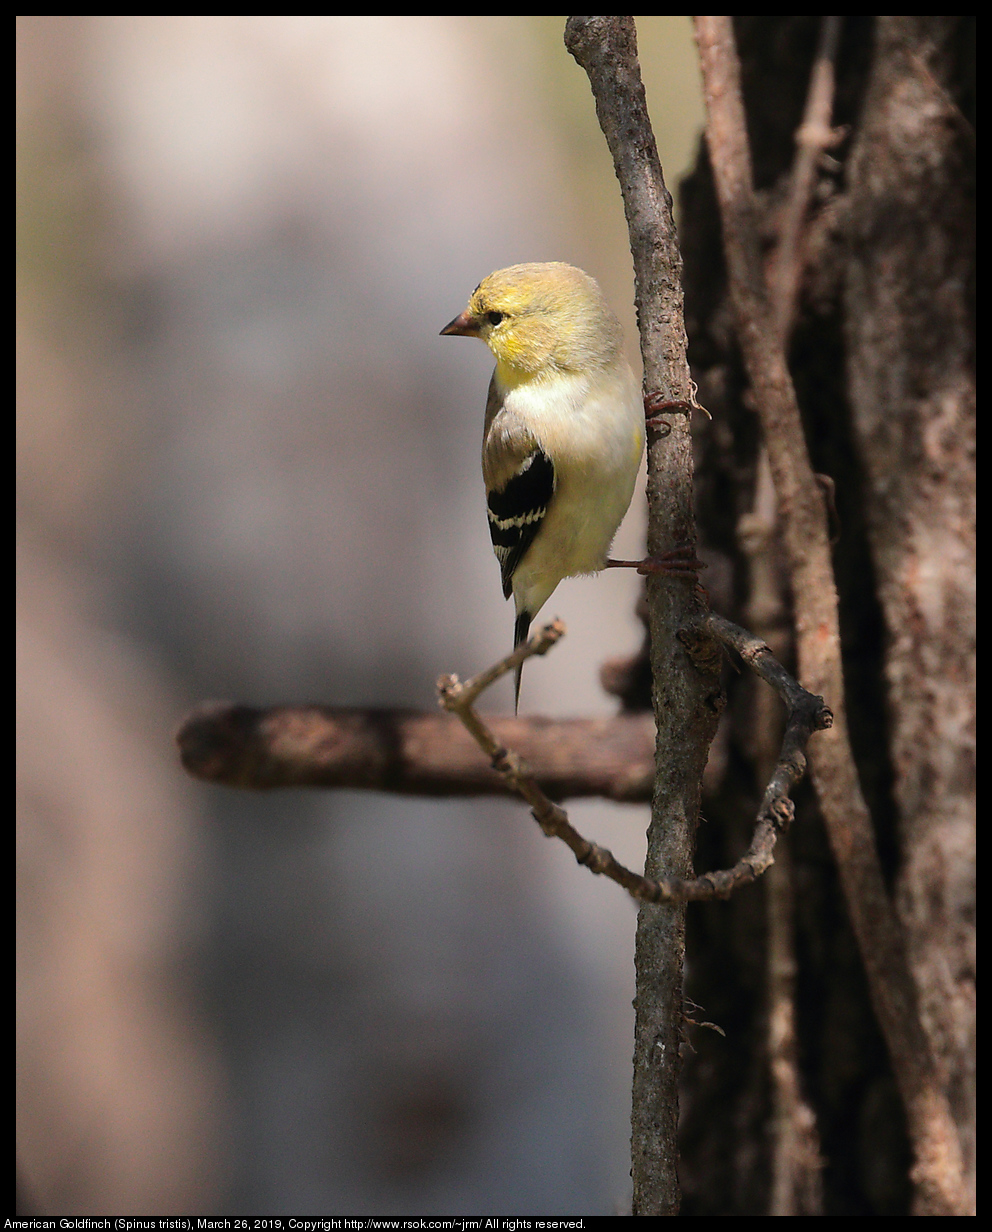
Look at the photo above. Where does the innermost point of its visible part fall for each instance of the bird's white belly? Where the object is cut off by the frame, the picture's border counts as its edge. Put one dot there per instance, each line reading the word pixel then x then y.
pixel 594 435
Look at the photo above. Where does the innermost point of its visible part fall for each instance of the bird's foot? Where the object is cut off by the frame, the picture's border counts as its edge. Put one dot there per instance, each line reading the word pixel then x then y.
pixel 656 405
pixel 680 562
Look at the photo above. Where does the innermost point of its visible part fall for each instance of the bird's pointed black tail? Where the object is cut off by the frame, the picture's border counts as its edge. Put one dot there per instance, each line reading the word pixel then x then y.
pixel 520 630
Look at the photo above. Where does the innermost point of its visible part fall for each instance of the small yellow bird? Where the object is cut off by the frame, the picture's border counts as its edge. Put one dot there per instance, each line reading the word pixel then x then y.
pixel 564 429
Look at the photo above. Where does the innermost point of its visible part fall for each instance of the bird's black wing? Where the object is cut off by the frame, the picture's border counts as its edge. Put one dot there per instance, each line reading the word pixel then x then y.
pixel 516 511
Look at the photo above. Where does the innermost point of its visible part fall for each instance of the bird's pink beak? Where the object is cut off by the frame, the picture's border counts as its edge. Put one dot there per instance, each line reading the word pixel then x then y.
pixel 464 324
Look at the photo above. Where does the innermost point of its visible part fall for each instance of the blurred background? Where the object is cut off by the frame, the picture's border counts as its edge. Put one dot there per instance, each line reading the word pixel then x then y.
pixel 248 468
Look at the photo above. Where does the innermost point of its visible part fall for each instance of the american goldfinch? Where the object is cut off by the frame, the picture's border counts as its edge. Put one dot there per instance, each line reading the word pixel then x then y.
pixel 564 428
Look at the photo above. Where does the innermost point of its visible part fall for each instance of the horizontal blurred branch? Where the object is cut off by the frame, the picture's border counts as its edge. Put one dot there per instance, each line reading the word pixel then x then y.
pixel 411 752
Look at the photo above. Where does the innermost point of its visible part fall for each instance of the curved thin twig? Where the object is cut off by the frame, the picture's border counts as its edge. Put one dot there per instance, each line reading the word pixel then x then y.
pixel 805 715
pixel 805 712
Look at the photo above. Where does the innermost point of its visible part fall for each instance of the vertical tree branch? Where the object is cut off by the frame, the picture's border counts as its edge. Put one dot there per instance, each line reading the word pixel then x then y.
pixel 797 1187
pixel 813 137
pixel 937 1171
pixel 686 685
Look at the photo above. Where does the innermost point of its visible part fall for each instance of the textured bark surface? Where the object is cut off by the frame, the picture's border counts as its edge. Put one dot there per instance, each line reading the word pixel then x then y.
pixel 908 314
pixel 844 1068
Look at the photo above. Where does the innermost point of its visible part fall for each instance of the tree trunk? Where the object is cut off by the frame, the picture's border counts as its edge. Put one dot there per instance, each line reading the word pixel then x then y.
pixel 882 357
pixel 909 342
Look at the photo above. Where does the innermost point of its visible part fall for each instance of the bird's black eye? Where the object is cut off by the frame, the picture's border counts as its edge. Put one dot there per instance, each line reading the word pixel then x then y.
pixel 494 318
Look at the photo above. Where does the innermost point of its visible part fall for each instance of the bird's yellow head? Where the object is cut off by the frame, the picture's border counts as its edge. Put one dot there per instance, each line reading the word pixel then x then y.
pixel 539 319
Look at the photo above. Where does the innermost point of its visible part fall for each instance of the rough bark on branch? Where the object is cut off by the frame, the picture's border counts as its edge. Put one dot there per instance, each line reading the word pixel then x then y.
pixel 687 695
